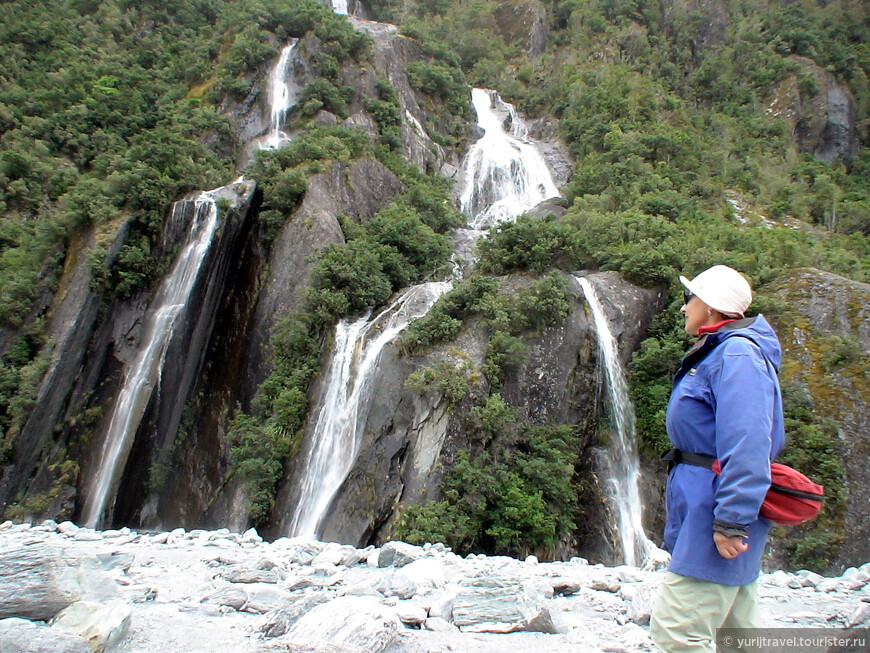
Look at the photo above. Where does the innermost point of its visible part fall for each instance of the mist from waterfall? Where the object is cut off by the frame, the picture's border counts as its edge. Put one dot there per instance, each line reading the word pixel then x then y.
pixel 504 174
pixel 621 461
pixel 333 444
pixel 142 375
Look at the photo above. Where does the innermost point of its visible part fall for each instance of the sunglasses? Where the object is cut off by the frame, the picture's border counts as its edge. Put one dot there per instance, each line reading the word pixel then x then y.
pixel 687 295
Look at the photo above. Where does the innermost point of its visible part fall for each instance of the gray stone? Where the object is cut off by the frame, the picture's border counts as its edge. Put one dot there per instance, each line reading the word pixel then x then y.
pixel 399 585
pixel 640 606
pixel 411 614
pixel 490 604
pixel 605 585
pixel 350 620
pixel 809 578
pixel 117 560
pixel 100 625
pixel 232 597
pixel 263 598
pixel 565 587
pixel 427 573
pixel 23 636
pixel 38 580
pixel 252 575
pixel 860 618
pixel 277 622
pixel 543 622
pixel 439 625
pixel 309 647
pixel 399 554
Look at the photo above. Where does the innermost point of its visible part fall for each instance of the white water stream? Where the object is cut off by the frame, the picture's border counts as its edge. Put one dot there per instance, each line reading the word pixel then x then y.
pixel 621 460
pixel 281 99
pixel 334 443
pixel 504 174
pixel 142 376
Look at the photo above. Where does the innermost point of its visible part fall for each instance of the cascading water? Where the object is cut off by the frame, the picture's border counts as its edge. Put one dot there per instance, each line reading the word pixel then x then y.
pixel 281 98
pixel 504 174
pixel 142 376
pixel 335 440
pixel 621 460
pixel 504 177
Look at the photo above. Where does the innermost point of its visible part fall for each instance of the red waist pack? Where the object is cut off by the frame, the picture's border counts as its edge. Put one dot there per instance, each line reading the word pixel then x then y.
pixel 792 498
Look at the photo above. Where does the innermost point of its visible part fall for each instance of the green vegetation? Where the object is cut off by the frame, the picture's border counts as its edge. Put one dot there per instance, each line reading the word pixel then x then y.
pixel 513 497
pixel 444 377
pixel 678 163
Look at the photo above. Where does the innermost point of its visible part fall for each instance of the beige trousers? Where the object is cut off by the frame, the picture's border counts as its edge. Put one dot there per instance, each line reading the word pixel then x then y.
pixel 688 611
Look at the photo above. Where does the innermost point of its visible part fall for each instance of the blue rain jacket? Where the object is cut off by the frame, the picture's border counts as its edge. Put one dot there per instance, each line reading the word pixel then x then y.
pixel 726 403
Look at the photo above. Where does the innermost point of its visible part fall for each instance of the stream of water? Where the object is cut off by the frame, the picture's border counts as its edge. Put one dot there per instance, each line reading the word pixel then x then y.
pixel 621 460
pixel 142 376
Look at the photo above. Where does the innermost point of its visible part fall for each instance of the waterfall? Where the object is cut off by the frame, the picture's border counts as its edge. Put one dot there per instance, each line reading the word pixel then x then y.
pixel 504 176
pixel 335 440
pixel 142 376
pixel 282 100
pixel 621 460
pixel 504 173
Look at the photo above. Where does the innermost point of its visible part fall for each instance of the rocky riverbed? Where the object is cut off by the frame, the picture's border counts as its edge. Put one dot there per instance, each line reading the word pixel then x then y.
pixel 65 589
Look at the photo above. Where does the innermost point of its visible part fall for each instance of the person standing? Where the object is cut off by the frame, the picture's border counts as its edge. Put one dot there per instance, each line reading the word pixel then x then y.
pixel 725 404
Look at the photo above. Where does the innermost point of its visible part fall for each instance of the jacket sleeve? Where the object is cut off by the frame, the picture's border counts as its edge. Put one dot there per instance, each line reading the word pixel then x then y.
pixel 744 393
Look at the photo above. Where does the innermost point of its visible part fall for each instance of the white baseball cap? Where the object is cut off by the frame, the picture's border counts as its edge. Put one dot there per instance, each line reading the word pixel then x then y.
pixel 722 288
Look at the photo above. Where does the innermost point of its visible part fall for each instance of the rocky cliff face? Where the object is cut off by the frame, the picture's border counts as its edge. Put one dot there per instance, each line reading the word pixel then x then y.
pixel 409 438
pixel 93 342
pixel 200 488
pixel 822 115
pixel 824 328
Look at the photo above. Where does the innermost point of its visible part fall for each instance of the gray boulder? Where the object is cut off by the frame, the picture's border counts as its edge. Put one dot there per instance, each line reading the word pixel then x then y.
pixel 101 625
pixel 495 605
pixel 38 580
pixel 23 636
pixel 353 621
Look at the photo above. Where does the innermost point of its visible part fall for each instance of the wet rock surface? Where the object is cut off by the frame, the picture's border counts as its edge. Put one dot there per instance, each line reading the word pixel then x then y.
pixel 205 591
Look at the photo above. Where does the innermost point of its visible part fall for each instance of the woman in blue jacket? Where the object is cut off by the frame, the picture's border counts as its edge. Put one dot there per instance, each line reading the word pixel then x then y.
pixel 725 404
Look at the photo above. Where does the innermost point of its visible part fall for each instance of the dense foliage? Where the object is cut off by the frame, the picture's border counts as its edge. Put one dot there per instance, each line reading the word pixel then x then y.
pixel 513 496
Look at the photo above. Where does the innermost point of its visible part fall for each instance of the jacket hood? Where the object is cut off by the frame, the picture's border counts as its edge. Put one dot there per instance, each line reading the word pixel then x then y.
pixel 756 329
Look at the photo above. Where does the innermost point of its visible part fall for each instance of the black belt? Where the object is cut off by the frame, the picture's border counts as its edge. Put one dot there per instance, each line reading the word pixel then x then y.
pixel 675 457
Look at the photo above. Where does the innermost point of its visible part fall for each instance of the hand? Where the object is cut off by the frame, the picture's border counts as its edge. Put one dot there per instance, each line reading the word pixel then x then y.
pixel 729 547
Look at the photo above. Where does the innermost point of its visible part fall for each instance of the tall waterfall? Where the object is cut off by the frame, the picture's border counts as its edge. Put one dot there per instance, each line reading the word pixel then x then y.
pixel 142 376
pixel 281 99
pixel 504 174
pixel 335 440
pixel 621 460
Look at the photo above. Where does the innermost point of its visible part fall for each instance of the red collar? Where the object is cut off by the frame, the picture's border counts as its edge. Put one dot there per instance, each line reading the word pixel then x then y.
pixel 704 330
